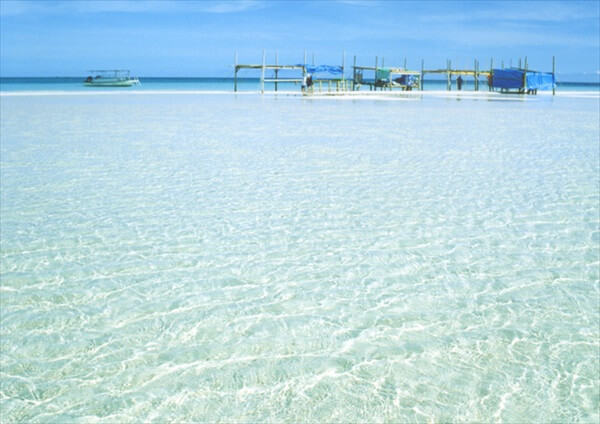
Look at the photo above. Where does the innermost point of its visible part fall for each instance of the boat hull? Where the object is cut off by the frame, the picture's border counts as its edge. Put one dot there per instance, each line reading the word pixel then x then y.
pixel 111 83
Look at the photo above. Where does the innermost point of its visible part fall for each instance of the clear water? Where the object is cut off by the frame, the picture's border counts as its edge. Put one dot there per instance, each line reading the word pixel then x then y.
pixel 221 258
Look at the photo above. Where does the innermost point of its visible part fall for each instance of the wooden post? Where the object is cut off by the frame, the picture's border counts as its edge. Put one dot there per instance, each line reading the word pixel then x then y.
pixel 525 76
pixel 553 76
pixel 449 82
pixel 404 63
pixel 354 75
pixel 276 71
pixel 343 72
pixel 235 72
pixel 422 74
pixel 382 88
pixel 475 75
pixel 375 78
pixel 491 73
pixel 262 75
pixel 502 64
pixel 519 63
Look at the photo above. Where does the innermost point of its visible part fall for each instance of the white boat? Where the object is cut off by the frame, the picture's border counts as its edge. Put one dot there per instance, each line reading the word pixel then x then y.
pixel 110 78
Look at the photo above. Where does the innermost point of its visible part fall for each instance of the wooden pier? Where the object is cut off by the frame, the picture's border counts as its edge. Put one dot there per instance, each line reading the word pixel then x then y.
pixel 450 72
pixel 264 67
pixel 387 82
pixel 382 75
pixel 339 84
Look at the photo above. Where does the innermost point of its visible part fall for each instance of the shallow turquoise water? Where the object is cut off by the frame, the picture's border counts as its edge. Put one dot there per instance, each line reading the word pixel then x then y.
pixel 70 84
pixel 241 259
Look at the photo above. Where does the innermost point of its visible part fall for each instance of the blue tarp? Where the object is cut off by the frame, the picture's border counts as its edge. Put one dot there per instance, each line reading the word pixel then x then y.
pixel 540 80
pixel 313 69
pixel 514 78
pixel 406 80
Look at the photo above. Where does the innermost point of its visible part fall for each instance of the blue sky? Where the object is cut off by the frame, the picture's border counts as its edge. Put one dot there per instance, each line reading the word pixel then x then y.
pixel 189 38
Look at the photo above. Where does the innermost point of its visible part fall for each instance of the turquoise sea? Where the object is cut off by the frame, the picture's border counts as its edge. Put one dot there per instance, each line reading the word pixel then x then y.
pixel 48 84
pixel 206 257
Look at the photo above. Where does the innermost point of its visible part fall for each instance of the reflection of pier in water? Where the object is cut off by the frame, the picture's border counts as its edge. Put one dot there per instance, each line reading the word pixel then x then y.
pixel 383 77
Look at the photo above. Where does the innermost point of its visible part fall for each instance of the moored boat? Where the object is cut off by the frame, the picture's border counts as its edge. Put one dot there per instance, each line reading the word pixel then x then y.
pixel 111 78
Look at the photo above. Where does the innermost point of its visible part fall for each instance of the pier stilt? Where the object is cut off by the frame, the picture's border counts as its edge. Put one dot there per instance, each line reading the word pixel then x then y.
pixel 235 67
pixel 553 76
pixel 525 77
pixel 491 73
pixel 262 75
pixel 371 87
pixel 276 71
pixel 343 69
pixel 422 74
pixel 354 75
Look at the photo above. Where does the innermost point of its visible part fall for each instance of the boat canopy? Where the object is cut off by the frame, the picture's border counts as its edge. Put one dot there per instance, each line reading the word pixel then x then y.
pixel 110 73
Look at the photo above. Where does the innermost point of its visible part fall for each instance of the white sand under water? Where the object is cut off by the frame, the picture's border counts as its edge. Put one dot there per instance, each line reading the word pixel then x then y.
pixel 178 257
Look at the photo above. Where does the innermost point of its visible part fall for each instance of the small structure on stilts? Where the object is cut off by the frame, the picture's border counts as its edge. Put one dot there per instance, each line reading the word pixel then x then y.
pixel 319 75
pixel 385 78
pixel 523 80
pixel 263 67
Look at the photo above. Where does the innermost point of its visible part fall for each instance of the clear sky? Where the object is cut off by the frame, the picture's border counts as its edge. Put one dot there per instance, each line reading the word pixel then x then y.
pixel 189 38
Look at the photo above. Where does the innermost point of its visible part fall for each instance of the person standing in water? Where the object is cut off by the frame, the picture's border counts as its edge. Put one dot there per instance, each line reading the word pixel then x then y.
pixel 459 83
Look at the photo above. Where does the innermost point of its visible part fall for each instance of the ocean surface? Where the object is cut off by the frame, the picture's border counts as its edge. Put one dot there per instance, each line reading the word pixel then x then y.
pixel 220 84
pixel 244 258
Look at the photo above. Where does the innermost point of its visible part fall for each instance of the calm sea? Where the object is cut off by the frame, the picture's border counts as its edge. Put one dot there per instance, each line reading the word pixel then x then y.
pixel 207 257
pixel 212 84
